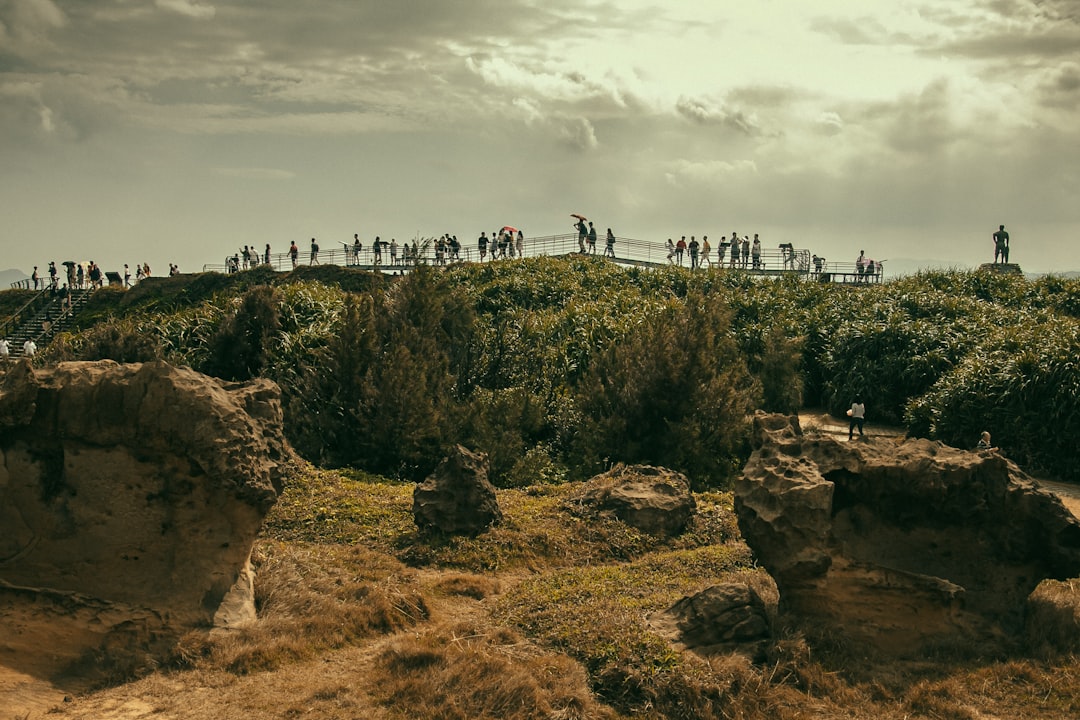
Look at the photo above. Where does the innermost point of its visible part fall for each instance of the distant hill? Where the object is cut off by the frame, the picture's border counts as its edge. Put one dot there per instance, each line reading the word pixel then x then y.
pixel 9 276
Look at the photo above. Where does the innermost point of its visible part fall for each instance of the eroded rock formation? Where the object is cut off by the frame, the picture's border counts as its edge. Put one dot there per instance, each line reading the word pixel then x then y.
pixel 457 497
pixel 730 617
pixel 130 497
pixel 900 543
pixel 652 499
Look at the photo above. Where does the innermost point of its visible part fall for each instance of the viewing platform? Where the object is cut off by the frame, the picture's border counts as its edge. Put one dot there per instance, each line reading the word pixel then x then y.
pixel 773 261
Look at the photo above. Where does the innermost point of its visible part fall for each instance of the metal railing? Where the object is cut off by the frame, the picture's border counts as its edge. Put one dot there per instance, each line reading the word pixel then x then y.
pixel 627 251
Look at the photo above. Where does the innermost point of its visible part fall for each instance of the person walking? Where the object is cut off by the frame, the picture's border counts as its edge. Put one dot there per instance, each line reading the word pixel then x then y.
pixel 313 259
pixel 706 249
pixel 609 244
pixel 29 348
pixel 5 350
pixel 856 417
pixel 294 253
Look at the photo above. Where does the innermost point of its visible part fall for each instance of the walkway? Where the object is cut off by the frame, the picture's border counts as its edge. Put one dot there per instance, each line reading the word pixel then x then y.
pixel 628 252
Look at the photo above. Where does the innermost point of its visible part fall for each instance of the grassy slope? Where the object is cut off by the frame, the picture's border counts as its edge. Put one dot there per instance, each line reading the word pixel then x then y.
pixel 542 617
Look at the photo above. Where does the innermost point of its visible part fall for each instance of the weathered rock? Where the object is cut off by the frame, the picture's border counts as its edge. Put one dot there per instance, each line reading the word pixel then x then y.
pixel 1052 617
pixel 457 498
pixel 130 497
pixel 900 543
pixel 722 618
pixel 652 499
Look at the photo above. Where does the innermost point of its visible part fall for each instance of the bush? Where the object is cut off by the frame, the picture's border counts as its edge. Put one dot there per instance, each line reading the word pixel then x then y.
pixel 674 392
pixel 240 348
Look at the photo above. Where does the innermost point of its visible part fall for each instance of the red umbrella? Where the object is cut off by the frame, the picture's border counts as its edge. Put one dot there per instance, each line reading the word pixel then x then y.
pixel 508 228
pixel 579 217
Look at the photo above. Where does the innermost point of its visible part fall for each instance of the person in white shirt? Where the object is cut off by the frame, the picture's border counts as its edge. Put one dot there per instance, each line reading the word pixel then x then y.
pixel 29 348
pixel 5 349
pixel 856 415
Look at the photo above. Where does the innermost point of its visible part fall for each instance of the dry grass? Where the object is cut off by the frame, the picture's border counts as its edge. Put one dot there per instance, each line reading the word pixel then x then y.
pixel 1052 624
pixel 546 616
pixel 467 672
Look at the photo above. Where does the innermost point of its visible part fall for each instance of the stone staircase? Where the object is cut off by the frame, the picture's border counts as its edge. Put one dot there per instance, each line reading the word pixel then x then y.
pixel 41 318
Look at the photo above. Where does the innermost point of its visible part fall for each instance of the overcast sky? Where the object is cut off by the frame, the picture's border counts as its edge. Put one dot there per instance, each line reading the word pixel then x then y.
pixel 180 130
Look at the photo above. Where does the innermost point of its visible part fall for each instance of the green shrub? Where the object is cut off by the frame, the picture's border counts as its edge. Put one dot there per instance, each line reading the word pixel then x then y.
pixel 240 348
pixel 674 392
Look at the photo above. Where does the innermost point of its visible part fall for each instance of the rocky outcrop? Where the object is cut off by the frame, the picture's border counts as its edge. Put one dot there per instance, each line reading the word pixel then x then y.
pixel 457 498
pixel 652 499
pixel 130 497
pixel 724 618
pixel 900 543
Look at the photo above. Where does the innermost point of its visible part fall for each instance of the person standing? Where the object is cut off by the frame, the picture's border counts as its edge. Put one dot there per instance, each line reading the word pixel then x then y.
pixel 36 279
pixel 706 249
pixel 5 350
pixel 755 252
pixel 856 417
pixel 745 251
pixel 266 254
pixel 695 249
pixel 127 276
pixel 521 243
pixel 609 244
pixel 680 249
pixel 294 253
pixel 29 348
pixel 592 239
pixel 313 259
pixel 582 233
pixel 481 245
pixel 357 246
pixel 1001 245
pixel 670 252
pixel 52 274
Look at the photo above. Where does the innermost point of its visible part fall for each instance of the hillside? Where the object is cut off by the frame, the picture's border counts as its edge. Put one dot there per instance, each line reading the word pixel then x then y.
pixel 557 368
pixel 545 616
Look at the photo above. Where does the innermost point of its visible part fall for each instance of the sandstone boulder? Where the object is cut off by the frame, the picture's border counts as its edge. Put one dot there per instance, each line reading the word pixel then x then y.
pixel 652 499
pixel 900 543
pixel 729 617
pixel 130 497
pixel 457 498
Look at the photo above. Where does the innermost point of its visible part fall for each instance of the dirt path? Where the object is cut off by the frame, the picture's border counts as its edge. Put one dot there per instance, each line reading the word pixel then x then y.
pixel 819 421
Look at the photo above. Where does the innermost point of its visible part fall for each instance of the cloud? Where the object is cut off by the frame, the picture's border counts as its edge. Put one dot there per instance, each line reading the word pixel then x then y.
pixel 709 171
pixel 188 8
pixel 1060 87
pixel 704 112
pixel 577 133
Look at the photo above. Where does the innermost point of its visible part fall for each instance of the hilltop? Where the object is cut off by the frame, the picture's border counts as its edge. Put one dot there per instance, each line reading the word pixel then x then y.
pixel 557 368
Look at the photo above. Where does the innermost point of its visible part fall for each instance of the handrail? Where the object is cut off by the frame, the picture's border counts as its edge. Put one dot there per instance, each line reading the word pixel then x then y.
pixel 14 319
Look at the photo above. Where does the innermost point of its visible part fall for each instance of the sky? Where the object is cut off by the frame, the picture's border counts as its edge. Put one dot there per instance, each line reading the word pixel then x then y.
pixel 178 131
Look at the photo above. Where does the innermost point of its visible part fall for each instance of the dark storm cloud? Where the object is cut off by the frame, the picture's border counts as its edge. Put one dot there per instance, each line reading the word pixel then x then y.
pixel 252 59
